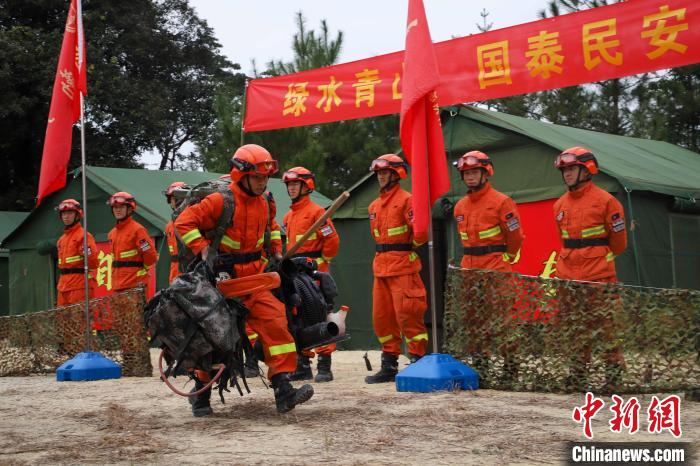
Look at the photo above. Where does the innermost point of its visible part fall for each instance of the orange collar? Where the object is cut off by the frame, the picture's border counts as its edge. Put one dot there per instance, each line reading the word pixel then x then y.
pixel 476 196
pixel 579 193
pixel 301 203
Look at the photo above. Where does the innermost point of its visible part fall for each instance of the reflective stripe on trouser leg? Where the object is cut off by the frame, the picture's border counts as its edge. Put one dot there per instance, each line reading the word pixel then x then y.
pixel 386 328
pixel 410 303
pixel 268 319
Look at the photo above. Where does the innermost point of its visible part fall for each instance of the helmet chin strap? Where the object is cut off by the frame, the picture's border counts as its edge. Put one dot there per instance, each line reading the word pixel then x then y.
pixel 247 189
pixel 579 180
pixel 394 180
pixel 482 181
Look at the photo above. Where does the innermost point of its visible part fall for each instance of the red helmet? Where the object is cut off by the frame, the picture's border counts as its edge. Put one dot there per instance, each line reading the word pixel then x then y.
pixel 252 159
pixel 122 198
pixel 68 205
pixel 173 186
pixel 577 156
pixel 300 174
pixel 391 162
pixel 474 159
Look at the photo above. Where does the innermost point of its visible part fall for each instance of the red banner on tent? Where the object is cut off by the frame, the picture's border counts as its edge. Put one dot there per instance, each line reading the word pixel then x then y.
pixel 618 40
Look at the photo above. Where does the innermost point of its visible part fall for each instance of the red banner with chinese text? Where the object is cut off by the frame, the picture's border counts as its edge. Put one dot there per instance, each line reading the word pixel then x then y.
pixel 618 40
pixel 104 273
pixel 541 245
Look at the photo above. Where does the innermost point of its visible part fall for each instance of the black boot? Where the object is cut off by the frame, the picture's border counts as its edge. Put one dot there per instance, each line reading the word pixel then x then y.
pixel 303 371
pixel 251 368
pixel 200 403
pixel 390 367
pixel 286 396
pixel 323 366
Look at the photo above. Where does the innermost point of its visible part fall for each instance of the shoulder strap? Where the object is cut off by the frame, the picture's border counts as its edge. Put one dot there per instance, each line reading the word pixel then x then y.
pixel 225 219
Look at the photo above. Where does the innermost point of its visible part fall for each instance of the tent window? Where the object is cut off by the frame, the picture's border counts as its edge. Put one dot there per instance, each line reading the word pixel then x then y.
pixel 685 250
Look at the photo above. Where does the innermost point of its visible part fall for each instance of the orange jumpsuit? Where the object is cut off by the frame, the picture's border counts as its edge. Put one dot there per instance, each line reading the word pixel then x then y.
pixel 322 245
pixel 71 283
pixel 244 241
pixel 489 227
pixel 133 253
pixel 591 226
pixel 172 250
pixel 398 295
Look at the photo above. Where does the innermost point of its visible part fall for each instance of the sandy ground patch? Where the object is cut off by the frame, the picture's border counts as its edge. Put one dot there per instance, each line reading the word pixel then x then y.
pixel 139 420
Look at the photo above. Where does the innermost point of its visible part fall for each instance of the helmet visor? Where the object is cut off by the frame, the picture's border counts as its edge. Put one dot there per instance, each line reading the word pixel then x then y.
pixel 467 163
pixel 564 160
pixel 63 206
pixel 266 168
pixel 381 164
pixel 118 200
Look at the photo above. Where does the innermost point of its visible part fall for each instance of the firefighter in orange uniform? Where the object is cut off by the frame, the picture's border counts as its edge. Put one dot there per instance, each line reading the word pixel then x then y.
pixel 591 224
pixel 591 221
pixel 322 246
pixel 240 255
pixel 71 283
pixel 487 220
pixel 398 296
pixel 133 251
pixel 170 231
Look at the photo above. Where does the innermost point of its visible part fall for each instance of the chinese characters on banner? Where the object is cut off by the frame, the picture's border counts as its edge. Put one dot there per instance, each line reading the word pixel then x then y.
pixel 661 415
pixel 602 43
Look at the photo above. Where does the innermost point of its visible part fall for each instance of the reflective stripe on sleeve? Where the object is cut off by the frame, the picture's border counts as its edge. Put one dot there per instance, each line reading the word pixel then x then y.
pixel 565 234
pixel 385 338
pixel 73 259
pixel 191 236
pixel 464 235
pixel 376 233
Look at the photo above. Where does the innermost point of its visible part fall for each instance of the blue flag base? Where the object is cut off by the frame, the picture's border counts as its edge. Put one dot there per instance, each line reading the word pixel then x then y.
pixel 88 366
pixel 435 372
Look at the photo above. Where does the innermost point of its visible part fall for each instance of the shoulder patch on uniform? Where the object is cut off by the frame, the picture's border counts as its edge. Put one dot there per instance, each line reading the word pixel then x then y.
pixel 372 215
pixel 327 230
pixel 459 218
pixel 513 223
pixel 410 214
pixel 509 215
pixel 560 216
pixel 618 223
pixel 143 245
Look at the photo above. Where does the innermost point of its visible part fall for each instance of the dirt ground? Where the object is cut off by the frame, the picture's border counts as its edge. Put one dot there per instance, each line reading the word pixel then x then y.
pixel 140 421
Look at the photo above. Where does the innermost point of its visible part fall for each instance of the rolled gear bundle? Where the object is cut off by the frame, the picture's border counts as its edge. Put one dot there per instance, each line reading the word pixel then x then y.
pixel 196 323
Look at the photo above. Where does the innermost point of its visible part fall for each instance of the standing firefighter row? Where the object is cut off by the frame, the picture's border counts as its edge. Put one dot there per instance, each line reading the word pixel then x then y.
pixel 230 227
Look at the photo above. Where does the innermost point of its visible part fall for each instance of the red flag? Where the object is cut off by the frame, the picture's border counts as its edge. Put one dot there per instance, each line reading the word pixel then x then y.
pixel 69 84
pixel 421 132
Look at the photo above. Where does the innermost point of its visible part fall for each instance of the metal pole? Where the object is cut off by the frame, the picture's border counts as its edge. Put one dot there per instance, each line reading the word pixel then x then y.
pixel 243 102
pixel 431 249
pixel 86 249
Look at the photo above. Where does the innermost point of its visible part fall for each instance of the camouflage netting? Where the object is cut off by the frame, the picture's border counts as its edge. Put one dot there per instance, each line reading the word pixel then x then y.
pixel 529 333
pixel 41 341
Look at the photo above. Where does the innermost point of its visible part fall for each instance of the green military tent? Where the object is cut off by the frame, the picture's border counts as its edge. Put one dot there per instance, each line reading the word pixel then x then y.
pixel 32 276
pixel 8 222
pixel 657 183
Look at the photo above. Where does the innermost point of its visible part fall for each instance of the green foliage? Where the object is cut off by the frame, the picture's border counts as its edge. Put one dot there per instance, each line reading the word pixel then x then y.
pixel 154 68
